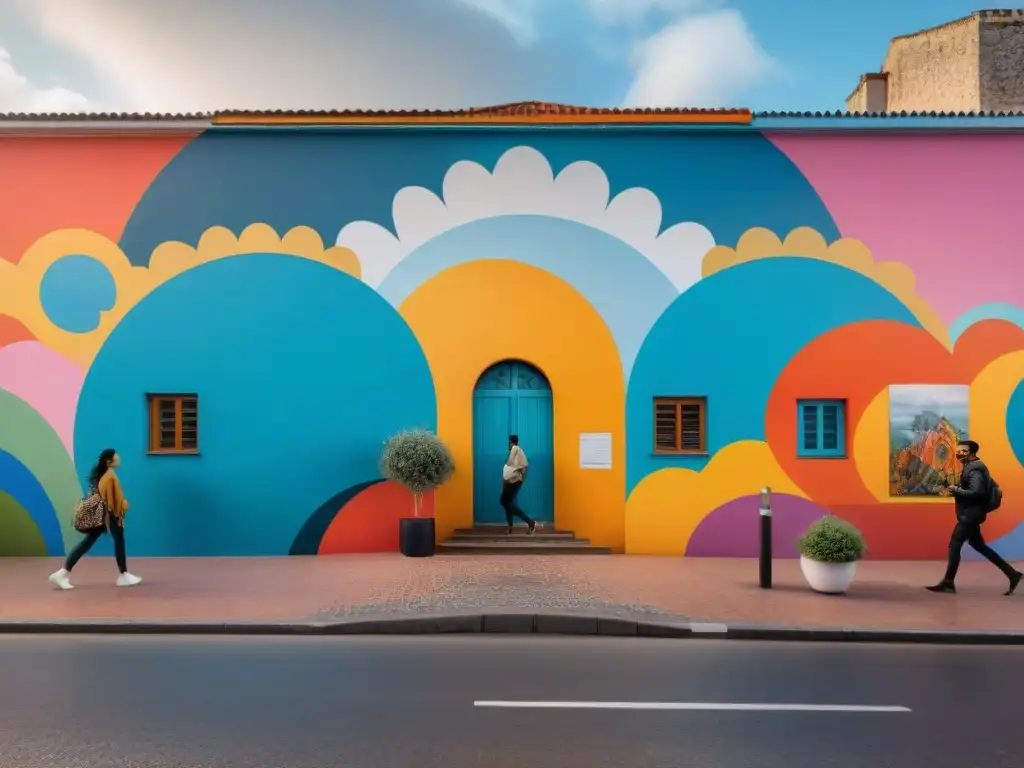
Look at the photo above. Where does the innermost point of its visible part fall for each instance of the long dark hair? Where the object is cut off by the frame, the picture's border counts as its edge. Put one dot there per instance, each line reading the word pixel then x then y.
pixel 102 465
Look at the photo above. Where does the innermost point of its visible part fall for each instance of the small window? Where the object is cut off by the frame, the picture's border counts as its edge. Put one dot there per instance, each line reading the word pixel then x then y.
pixel 173 423
pixel 821 429
pixel 679 424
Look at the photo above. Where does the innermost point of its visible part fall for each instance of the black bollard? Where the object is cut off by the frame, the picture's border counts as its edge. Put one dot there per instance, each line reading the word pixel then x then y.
pixel 765 560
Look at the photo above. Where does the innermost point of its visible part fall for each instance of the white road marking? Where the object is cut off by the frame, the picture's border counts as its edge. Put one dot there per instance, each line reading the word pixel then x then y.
pixel 711 628
pixel 690 706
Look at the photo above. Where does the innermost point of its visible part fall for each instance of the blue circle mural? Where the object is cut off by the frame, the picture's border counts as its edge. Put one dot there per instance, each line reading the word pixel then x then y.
pixel 301 373
pixel 73 292
pixel 1015 422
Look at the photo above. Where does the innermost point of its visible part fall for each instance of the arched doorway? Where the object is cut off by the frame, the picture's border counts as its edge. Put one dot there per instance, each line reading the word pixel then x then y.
pixel 513 398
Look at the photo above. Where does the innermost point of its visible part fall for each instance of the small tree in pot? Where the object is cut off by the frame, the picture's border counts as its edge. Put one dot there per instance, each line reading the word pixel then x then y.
pixel 420 461
pixel 829 551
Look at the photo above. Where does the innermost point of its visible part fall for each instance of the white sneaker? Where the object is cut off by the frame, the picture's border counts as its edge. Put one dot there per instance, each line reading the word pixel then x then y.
pixel 128 580
pixel 62 579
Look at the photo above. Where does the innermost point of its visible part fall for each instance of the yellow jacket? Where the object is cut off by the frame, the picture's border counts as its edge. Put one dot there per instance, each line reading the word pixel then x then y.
pixel 110 491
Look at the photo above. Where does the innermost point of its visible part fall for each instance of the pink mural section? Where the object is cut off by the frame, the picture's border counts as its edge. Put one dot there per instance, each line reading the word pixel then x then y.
pixel 941 204
pixel 47 381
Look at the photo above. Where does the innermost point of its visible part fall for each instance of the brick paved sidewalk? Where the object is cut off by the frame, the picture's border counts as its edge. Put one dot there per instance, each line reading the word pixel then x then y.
pixel 885 595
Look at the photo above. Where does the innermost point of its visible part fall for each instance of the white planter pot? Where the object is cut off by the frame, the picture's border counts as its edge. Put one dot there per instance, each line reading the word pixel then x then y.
pixel 829 578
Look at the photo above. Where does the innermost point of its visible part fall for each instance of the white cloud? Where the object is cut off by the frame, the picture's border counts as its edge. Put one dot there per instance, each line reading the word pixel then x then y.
pixel 17 94
pixel 519 17
pixel 524 183
pixel 632 11
pixel 705 60
pixel 205 55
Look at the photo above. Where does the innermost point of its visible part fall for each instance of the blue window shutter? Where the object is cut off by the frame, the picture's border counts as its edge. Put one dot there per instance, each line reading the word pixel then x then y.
pixel 821 429
pixel 810 427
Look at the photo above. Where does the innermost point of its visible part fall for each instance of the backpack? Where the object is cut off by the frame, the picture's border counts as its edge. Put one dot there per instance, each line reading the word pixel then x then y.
pixel 995 495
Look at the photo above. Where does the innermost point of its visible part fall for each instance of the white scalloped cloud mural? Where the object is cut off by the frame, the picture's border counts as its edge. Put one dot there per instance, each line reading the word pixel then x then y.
pixel 523 183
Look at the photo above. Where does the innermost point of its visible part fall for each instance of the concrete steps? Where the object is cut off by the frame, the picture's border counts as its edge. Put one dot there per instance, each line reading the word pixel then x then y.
pixel 492 539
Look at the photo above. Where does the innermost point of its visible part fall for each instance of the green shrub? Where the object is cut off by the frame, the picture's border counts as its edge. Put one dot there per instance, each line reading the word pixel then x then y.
pixel 831 540
pixel 418 460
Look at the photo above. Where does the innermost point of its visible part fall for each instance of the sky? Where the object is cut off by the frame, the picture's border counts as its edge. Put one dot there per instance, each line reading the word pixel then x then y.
pixel 208 55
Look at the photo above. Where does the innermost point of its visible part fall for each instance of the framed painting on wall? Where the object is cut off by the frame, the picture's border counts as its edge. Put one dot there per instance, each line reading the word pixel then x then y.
pixel 925 423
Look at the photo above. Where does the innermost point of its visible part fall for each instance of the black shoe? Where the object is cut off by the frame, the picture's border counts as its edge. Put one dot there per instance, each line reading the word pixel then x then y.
pixel 1014 581
pixel 533 527
pixel 944 587
pixel 509 531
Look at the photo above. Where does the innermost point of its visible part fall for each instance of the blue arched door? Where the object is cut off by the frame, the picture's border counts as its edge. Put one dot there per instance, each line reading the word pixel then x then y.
pixel 513 398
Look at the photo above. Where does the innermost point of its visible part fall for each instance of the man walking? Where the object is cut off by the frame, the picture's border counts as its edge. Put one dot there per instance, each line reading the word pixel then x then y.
pixel 513 474
pixel 973 502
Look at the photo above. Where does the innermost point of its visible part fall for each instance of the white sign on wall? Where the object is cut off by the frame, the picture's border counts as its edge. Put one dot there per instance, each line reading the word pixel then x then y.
pixel 596 450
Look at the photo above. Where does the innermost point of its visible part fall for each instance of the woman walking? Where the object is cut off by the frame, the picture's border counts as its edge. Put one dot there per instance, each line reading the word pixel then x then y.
pixel 103 481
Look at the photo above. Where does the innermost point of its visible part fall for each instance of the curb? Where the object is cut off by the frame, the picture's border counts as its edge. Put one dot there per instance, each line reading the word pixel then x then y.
pixel 517 624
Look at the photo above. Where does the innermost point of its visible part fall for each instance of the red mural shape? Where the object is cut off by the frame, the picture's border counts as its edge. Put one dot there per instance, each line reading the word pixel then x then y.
pixel 12 331
pixel 855 363
pixel 369 521
pixel 984 342
pixel 82 182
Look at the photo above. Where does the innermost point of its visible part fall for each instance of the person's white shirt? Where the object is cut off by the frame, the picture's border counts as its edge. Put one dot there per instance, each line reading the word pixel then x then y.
pixel 515 465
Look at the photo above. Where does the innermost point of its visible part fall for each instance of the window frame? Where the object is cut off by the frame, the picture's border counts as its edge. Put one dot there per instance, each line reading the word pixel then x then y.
pixel 678 402
pixel 840 451
pixel 153 401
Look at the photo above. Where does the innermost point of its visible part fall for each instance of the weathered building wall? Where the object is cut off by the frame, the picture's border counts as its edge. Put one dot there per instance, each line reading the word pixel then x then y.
pixel 935 70
pixel 1001 51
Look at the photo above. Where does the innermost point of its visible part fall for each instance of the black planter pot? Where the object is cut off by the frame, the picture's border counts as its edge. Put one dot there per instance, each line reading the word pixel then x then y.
pixel 416 536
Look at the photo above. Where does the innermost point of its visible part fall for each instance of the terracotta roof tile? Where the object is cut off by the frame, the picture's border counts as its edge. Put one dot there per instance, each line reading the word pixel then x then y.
pixel 515 109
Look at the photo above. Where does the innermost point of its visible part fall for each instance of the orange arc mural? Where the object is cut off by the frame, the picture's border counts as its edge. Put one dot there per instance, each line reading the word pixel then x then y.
pixel 857 363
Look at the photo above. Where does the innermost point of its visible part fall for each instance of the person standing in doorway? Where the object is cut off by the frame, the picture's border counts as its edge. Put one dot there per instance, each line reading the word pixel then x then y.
pixel 513 475
pixel 104 481
pixel 972 497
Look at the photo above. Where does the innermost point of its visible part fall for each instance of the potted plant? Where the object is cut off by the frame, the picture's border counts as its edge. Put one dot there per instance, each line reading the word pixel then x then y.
pixel 829 551
pixel 418 460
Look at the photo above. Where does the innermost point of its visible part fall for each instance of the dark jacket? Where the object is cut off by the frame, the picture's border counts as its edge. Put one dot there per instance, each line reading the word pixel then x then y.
pixel 972 497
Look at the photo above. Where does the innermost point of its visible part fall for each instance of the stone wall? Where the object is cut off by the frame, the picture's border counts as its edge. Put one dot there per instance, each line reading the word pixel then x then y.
pixel 857 101
pixel 936 69
pixel 870 95
pixel 1001 76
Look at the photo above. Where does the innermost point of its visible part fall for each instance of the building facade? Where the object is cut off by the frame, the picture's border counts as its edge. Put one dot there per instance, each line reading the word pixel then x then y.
pixel 672 309
pixel 972 64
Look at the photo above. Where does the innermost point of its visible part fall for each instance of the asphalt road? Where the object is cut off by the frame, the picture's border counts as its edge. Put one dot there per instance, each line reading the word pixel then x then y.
pixel 147 702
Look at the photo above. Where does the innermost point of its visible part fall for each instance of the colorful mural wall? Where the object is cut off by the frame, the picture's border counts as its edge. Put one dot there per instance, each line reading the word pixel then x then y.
pixel 733 308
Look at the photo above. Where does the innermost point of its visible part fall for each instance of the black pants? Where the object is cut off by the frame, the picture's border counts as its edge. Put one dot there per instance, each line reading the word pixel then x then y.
pixel 970 533
pixel 117 534
pixel 509 491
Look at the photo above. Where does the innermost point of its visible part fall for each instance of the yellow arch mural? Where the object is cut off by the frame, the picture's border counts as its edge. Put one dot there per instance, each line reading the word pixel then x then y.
pixel 990 395
pixel 20 282
pixel 464 322
pixel 666 507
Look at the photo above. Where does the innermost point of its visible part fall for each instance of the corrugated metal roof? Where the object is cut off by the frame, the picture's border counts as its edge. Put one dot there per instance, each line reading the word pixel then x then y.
pixel 105 117
pixel 521 113
pixel 888 115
